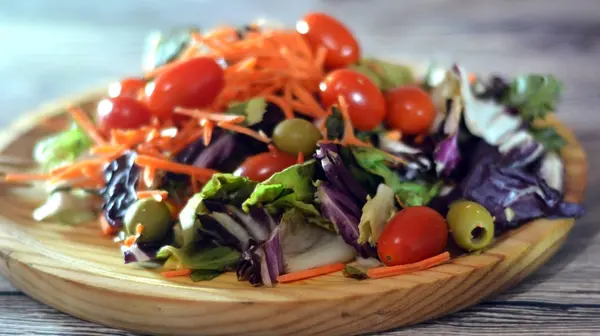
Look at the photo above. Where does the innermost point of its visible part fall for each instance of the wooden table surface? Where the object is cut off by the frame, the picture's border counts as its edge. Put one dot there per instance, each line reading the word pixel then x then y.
pixel 50 49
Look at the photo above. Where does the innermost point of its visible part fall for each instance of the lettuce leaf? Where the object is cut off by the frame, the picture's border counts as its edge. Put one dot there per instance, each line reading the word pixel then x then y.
pixel 411 193
pixel 62 148
pixel 534 95
pixel 253 109
pixel 218 259
pixel 375 215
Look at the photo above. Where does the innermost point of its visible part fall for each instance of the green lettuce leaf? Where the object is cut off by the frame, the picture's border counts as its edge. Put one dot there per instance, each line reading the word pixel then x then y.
pixel 293 184
pixel 335 125
pixel 162 48
pixel 355 272
pixel 390 75
pixel 534 95
pixel 253 109
pixel 227 188
pixel 62 148
pixel 376 214
pixel 411 193
pixel 204 275
pixel 549 137
pixel 217 259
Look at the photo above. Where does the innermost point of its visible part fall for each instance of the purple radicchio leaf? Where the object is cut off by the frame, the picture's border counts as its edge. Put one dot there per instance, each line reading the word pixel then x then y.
pixel 552 170
pixel 139 252
pixel 345 214
pixel 249 266
pixel 273 259
pixel 261 264
pixel 417 162
pixel 338 175
pixel 447 155
pixel 121 177
pixel 514 196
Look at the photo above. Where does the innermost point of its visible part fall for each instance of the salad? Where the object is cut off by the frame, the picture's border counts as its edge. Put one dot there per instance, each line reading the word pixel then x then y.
pixel 285 154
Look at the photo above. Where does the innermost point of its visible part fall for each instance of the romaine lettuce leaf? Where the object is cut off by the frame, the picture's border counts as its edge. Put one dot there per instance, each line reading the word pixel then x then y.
pixel 62 148
pixel 375 215
pixel 212 259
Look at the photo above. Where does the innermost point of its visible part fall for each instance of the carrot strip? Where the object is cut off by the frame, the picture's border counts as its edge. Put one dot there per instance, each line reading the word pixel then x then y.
pixel 176 273
pixel 203 173
pixel 234 119
pixel 349 137
pixel 283 105
pixel 163 194
pixel 387 271
pixel 25 177
pixel 300 158
pixel 129 241
pixel 139 228
pixel 310 273
pixel 107 229
pixel 106 149
pixel 244 130
pixel 86 124
pixel 308 99
pixel 207 132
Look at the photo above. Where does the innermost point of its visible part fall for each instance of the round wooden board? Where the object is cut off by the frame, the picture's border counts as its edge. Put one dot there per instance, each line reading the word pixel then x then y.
pixel 79 272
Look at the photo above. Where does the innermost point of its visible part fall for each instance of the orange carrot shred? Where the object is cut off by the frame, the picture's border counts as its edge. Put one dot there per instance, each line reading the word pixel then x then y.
pixel 207 132
pixel 311 273
pixel 129 241
pixel 139 228
pixel 300 157
pixel 245 130
pixel 233 119
pixel 283 105
pixel 86 124
pixel 24 177
pixel 387 271
pixel 349 137
pixel 163 194
pixel 176 273
pixel 162 164
pixel 107 229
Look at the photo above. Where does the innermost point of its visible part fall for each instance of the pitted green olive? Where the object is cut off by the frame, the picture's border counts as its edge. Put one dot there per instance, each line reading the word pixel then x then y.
pixel 296 136
pixel 153 215
pixel 471 225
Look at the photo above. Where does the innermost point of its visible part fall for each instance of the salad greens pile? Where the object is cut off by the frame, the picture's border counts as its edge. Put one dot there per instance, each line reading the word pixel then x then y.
pixel 487 144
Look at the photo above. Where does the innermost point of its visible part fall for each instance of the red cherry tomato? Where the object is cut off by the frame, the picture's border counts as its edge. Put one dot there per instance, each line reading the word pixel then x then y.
pixel 129 87
pixel 366 103
pixel 191 84
pixel 122 113
pixel 412 235
pixel 320 29
pixel 261 166
pixel 409 110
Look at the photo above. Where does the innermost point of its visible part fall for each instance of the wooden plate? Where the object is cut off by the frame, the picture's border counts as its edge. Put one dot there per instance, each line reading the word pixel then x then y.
pixel 79 272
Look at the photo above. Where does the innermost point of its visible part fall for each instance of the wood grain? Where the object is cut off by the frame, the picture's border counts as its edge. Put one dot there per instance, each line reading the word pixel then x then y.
pixel 80 44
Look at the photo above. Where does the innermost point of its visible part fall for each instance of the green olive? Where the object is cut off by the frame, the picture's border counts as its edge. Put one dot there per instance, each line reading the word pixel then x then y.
pixel 296 136
pixel 471 225
pixel 153 215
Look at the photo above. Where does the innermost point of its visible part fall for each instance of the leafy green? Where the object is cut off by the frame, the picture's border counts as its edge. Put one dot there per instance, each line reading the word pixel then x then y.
pixel 411 193
pixel 375 215
pixel 62 148
pixel 366 70
pixel 218 259
pixel 283 189
pixel 68 207
pixel 204 275
pixel 227 188
pixel 534 95
pixel 549 137
pixel 355 272
pixel 335 125
pixel 390 75
pixel 253 109
pixel 162 48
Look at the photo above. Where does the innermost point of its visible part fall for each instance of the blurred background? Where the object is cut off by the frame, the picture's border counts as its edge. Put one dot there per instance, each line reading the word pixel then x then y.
pixel 50 49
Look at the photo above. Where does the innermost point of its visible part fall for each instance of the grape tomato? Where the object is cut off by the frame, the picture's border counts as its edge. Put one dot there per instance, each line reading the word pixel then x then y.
pixel 122 113
pixel 409 110
pixel 261 166
pixel 413 234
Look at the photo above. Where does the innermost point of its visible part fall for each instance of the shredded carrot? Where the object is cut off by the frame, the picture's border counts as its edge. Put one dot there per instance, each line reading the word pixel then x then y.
pixel 107 229
pixel 349 137
pixel 162 164
pixel 387 271
pixel 129 241
pixel 300 157
pixel 139 228
pixel 283 105
pixel 18 177
pixel 311 273
pixel 163 194
pixel 233 119
pixel 207 132
pixel 176 273
pixel 393 135
pixel 472 77
pixel 245 130
pixel 308 99
pixel 86 124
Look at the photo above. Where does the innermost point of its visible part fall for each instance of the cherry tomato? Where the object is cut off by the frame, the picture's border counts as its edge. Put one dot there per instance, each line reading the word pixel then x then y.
pixel 191 84
pixel 410 110
pixel 412 235
pixel 129 87
pixel 261 166
pixel 122 113
pixel 320 29
pixel 366 103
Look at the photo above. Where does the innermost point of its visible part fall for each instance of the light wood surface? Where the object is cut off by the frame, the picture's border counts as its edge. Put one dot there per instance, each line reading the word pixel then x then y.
pixel 51 49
